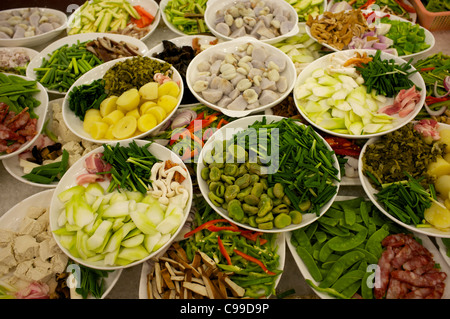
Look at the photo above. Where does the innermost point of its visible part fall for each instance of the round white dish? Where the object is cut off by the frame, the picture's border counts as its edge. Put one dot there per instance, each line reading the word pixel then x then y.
pixel 226 133
pixel 214 6
pixel 150 6
pixel 76 125
pixel 429 38
pixel 325 61
pixel 36 62
pixel 40 38
pixel 147 266
pixel 41 112
pixel 78 168
pixel 233 47
pixel 12 218
pixel 162 6
pixel 371 191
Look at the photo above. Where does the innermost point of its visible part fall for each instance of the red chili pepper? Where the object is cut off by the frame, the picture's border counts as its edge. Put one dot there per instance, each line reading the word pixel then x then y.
pixel 347 152
pixel 257 261
pixel 252 235
pixel 405 6
pixel 432 99
pixel 219 228
pixel 223 251
pixel 367 4
pixel 204 226
pixel 221 122
pixel 427 69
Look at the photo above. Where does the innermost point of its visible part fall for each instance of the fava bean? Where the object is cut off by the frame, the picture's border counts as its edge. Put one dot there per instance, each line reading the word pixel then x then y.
pixel 278 190
pixel 296 217
pixel 205 173
pixel 249 209
pixel 263 219
pixel 243 181
pixel 214 174
pixel 231 192
pixel 231 169
pixel 244 192
pixel 281 208
pixel 216 200
pixel 265 206
pixel 257 189
pixel 228 179
pixel 251 199
pixel 282 220
pixel 266 226
pixel 235 210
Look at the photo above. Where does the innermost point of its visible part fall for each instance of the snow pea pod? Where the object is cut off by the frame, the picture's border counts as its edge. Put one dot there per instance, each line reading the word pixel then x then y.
pixel 348 279
pixel 338 268
pixel 310 263
pixel 373 244
pixel 347 243
pixel 329 291
pixel 366 290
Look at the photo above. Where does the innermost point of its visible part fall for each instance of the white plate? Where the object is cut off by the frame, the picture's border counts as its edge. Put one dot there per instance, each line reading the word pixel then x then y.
pixel 443 250
pixel 232 47
pixel 150 6
pixel 12 165
pixel 226 133
pixel 78 168
pixel 147 267
pixel 375 7
pixel 12 218
pixel 162 6
pixel 28 52
pixel 40 111
pixel 180 42
pixel 214 6
pixel 76 125
pixel 426 242
pixel 37 39
pixel 398 122
pixel 36 62
pixel 429 38
pixel 371 191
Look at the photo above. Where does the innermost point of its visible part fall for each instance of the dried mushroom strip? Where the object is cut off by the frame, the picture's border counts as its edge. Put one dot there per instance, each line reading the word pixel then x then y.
pixel 133 73
pixel 107 49
pixel 338 29
pixel 175 277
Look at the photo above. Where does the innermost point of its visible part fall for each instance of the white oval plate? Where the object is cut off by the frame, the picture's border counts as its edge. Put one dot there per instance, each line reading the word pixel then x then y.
pixel 78 168
pixel 371 191
pixel 398 122
pixel 12 218
pixel 76 125
pixel 28 52
pixel 41 112
pixel 226 133
pixel 429 38
pixel 426 242
pixel 36 62
pixel 13 167
pixel 150 6
pixel 231 47
pixel 37 39
pixel 147 267
pixel 180 42
pixel 214 6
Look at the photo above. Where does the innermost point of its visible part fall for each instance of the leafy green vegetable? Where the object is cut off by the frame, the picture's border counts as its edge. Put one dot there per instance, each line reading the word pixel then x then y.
pixel 87 96
pixel 436 5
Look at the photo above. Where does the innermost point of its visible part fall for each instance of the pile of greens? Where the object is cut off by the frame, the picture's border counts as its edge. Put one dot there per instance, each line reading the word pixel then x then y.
pixel 436 5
